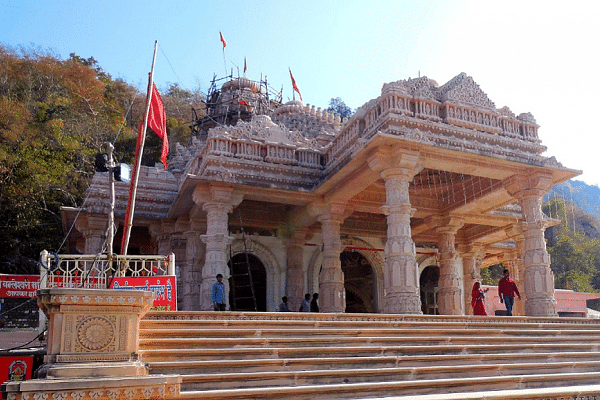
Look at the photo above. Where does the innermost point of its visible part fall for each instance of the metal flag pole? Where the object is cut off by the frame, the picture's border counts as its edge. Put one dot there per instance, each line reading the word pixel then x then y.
pixel 138 162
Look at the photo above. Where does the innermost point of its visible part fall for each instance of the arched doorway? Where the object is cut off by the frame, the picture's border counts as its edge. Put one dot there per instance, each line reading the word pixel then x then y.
pixel 429 287
pixel 358 282
pixel 239 283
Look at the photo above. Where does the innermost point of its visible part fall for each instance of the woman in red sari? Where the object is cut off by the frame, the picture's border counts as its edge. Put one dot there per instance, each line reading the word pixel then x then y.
pixel 477 296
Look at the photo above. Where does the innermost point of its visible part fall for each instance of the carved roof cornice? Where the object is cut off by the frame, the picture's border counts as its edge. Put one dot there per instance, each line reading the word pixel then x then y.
pixel 300 146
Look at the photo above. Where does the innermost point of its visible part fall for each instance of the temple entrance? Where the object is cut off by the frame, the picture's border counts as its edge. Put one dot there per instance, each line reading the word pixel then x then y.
pixel 239 283
pixel 429 288
pixel 358 282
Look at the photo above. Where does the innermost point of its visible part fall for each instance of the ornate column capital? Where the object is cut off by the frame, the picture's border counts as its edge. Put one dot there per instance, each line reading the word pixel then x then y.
pixel 217 193
pixel 534 183
pixel 91 222
pixel 445 224
pixel 391 162
pixel 161 228
pixel 334 211
pixel 515 232
pixel 473 250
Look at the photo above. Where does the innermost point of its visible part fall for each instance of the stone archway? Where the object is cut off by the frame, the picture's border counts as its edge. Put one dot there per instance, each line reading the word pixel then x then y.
pixel 243 266
pixel 359 282
pixel 373 254
pixel 428 283
pixel 269 262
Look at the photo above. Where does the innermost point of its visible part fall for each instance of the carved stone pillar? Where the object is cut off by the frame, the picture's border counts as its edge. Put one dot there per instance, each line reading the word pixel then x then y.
pixel 162 233
pixel 471 257
pixel 401 272
pixel 217 201
pixel 450 294
pixel 191 271
pixel 538 279
pixel 295 277
pixel 332 295
pixel 93 228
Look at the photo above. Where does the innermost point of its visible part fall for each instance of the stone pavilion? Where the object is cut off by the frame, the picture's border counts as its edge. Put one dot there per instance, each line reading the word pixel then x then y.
pixel 394 210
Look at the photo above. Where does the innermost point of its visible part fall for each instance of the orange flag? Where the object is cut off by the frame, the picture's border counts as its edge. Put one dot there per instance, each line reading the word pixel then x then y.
pixel 222 40
pixel 294 84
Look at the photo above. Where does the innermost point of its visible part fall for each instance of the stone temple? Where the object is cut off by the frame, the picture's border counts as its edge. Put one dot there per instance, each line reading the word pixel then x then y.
pixel 394 210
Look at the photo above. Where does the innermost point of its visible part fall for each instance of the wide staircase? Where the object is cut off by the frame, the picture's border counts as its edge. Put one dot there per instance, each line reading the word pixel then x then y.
pixel 232 355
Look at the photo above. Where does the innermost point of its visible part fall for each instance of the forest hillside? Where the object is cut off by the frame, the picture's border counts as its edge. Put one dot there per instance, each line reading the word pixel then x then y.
pixel 55 115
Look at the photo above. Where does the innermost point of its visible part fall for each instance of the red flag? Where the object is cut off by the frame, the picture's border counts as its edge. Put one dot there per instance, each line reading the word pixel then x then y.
pixel 294 84
pixel 222 40
pixel 157 121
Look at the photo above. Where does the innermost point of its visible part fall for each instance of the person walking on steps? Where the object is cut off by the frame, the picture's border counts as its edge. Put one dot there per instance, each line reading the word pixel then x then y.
pixel 283 307
pixel 507 288
pixel 218 294
pixel 477 296
pixel 305 306
pixel 314 306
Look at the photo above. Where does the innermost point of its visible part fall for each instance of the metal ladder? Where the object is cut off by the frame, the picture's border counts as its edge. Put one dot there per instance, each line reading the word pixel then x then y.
pixel 242 285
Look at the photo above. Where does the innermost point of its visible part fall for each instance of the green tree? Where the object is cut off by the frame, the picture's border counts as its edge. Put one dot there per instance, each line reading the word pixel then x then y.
pixel 573 263
pixel 54 116
pixel 573 253
pixel 492 274
pixel 337 105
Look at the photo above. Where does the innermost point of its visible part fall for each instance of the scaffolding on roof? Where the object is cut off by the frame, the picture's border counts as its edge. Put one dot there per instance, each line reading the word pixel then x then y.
pixel 237 99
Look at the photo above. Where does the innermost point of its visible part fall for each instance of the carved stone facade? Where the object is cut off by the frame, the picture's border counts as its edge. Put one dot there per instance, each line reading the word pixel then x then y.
pixel 92 349
pixel 423 169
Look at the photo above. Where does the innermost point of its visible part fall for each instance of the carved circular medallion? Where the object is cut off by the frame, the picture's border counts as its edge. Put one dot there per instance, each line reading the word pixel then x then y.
pixel 95 333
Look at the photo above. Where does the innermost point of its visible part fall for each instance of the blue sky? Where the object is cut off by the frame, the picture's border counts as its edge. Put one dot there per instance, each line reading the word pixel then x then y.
pixel 532 56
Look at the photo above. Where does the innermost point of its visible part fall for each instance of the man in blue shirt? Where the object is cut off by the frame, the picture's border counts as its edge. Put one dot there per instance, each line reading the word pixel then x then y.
pixel 305 305
pixel 218 294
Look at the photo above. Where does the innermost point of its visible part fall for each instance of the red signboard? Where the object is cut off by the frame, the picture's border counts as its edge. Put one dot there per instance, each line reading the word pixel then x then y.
pixel 163 287
pixel 25 286
pixel 19 286
pixel 15 368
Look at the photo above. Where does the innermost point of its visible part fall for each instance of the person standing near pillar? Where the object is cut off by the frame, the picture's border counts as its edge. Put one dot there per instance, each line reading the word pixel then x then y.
pixel 477 296
pixel 507 288
pixel 314 305
pixel 218 294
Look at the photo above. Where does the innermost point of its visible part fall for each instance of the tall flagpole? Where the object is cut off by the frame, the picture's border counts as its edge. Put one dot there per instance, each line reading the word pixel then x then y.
pixel 138 162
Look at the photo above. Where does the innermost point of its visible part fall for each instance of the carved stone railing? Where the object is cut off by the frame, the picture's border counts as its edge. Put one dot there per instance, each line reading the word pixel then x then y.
pixel 94 271
pixel 443 120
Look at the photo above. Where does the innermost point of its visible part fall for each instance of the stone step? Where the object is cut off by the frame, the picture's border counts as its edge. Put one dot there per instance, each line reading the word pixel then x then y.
pixel 233 355
pixel 362 375
pixel 267 332
pixel 219 320
pixel 582 392
pixel 185 366
pixel 399 388
pixel 167 354
pixel 326 341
